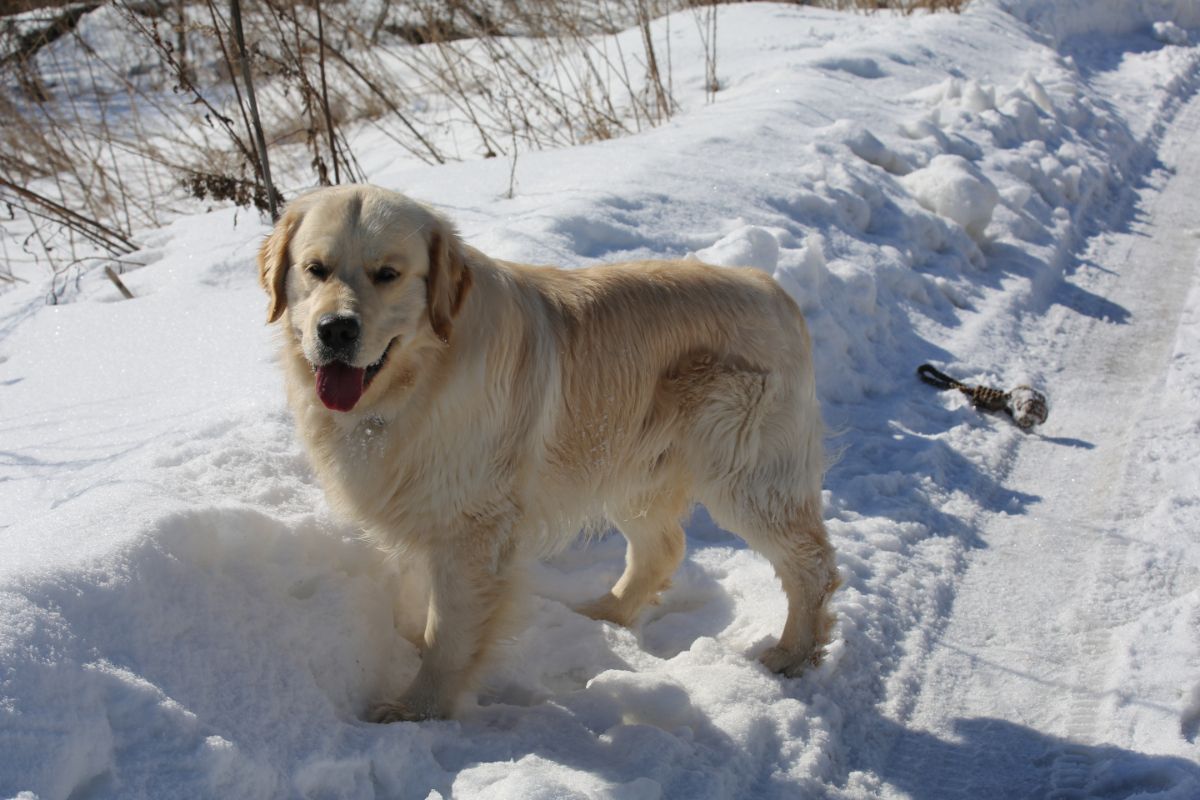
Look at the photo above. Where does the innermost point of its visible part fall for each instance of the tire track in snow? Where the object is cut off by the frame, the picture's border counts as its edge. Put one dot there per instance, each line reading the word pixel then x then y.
pixel 1161 259
pixel 1008 706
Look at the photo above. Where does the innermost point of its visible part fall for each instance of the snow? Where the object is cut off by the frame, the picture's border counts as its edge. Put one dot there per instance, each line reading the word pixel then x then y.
pixel 1007 193
pixel 1170 33
pixel 954 188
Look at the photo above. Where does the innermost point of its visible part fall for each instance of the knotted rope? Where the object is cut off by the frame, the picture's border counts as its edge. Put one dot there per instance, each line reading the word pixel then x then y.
pixel 1024 404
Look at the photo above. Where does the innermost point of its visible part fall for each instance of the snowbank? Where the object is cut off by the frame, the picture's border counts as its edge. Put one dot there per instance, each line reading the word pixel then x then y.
pixel 1064 19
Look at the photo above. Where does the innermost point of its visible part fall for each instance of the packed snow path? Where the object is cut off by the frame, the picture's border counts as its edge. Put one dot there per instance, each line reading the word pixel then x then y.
pixel 1038 666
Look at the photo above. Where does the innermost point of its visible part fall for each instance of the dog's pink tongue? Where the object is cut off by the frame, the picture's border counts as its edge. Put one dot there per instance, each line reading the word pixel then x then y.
pixel 339 385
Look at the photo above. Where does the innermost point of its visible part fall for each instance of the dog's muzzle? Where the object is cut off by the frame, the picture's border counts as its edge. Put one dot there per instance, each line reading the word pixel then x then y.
pixel 340 384
pixel 338 335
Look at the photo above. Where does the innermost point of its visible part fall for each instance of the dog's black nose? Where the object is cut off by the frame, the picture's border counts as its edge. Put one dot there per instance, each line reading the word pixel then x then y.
pixel 338 331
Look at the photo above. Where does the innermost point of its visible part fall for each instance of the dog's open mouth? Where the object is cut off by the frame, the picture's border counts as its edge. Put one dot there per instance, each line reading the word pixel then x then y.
pixel 340 385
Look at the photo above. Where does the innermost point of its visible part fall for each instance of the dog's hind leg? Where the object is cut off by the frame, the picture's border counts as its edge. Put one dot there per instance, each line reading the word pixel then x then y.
pixel 754 445
pixel 804 561
pixel 654 549
pixel 796 544
pixel 471 600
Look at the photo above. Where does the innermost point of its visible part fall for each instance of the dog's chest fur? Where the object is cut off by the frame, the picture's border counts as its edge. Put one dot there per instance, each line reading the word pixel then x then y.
pixel 419 471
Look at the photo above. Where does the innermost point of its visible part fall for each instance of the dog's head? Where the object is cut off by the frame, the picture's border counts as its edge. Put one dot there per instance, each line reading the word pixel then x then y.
pixel 361 274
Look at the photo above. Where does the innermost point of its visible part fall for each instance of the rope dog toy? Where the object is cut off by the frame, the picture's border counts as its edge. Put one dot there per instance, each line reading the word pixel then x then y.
pixel 1024 404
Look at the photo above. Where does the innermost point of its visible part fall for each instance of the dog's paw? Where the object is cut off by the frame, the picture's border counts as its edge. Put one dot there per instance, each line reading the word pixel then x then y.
pixel 790 663
pixel 400 711
pixel 607 608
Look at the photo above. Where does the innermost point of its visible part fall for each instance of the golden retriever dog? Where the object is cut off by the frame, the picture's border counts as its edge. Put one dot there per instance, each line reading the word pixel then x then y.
pixel 474 413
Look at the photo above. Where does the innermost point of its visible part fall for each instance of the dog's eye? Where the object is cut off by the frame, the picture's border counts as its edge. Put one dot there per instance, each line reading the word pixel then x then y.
pixel 386 275
pixel 317 270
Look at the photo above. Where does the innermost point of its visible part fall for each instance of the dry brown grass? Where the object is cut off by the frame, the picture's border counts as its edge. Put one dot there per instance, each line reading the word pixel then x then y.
pixel 901 6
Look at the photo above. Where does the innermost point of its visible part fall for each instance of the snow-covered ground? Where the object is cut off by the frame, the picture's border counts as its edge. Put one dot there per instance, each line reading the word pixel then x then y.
pixel 1010 193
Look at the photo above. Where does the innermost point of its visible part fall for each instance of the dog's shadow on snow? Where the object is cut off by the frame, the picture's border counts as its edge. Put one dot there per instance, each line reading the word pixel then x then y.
pixel 573 695
pixel 628 735
pixel 695 605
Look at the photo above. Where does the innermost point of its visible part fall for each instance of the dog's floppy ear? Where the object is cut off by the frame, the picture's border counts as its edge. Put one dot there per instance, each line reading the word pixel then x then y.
pixel 448 281
pixel 273 262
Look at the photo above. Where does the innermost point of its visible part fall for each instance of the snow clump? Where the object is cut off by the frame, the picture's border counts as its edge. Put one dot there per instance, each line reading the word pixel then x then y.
pixel 954 188
pixel 748 246
pixel 1170 33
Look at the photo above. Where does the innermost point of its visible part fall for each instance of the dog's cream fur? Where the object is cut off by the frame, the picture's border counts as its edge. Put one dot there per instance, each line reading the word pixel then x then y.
pixel 518 405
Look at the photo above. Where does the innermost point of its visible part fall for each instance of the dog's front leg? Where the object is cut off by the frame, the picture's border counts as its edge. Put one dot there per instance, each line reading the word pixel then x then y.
pixel 472 581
